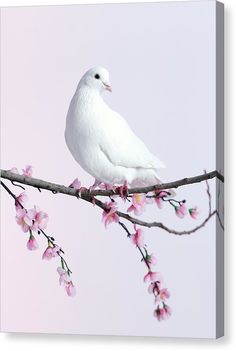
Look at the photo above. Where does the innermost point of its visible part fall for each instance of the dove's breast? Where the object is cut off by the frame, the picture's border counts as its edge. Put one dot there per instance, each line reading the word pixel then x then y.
pixel 84 130
pixel 103 144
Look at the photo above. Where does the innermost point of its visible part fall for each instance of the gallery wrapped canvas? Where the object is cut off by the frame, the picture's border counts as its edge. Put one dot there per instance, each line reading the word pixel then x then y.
pixel 112 213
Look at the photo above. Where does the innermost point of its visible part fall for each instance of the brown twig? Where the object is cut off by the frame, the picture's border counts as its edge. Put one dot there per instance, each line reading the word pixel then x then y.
pixel 89 196
pixel 57 188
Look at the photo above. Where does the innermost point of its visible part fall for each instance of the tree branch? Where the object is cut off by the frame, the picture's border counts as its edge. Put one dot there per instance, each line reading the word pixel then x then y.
pixel 57 188
pixel 89 196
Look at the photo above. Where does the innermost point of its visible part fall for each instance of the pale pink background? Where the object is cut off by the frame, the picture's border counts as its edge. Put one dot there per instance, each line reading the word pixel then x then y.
pixel 162 68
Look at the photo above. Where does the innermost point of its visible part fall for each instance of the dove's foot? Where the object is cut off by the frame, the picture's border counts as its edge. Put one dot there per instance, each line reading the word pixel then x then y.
pixel 123 190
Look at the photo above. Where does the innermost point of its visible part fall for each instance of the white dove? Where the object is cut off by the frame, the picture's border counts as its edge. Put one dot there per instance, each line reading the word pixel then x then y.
pixel 101 140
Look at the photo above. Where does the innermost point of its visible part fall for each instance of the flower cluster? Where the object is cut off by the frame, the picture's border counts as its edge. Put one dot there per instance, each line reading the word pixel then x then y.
pixel 27 171
pixel 137 238
pixel 179 206
pixel 31 220
pixel 65 281
pixel 109 215
pixel 154 278
pixel 35 221
pixel 162 313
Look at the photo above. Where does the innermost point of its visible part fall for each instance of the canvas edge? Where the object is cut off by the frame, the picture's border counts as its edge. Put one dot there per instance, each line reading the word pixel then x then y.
pixel 219 7
pixel 1 330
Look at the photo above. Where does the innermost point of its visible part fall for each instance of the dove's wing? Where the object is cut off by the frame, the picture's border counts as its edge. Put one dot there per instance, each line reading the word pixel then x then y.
pixel 123 148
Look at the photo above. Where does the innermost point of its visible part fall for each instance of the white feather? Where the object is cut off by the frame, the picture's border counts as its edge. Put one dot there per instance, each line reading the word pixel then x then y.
pixel 100 139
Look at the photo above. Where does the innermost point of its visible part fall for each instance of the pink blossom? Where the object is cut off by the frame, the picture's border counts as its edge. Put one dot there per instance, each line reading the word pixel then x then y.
pixel 66 281
pixel 21 200
pixel 32 243
pixel 50 252
pixel 159 198
pixel 168 310
pixel 193 212
pixel 151 259
pixel 138 204
pixel 152 277
pixel 64 276
pixel 76 184
pixel 154 288
pixel 162 313
pixel 163 295
pixel 39 218
pixel 110 215
pixel 137 238
pixel 181 210
pixel 70 289
pixel 28 171
pixel 23 219
pixel 159 313
pixel 14 170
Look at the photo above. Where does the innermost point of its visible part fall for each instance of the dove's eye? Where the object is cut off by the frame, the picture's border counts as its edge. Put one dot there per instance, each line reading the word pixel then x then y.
pixel 97 76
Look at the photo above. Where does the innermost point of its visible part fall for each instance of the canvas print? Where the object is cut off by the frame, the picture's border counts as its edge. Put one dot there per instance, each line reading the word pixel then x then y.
pixel 112 211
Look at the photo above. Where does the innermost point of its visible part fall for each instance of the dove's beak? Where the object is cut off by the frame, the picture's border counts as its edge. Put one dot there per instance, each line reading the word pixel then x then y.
pixel 107 86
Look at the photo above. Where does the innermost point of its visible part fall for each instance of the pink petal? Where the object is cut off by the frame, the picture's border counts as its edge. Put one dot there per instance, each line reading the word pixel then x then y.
pixel 32 244
pixel 24 227
pixel 76 184
pixel 20 212
pixel 28 171
pixel 14 170
pixel 31 213
pixel 61 271
pixel 70 289
pixel 27 220
pixel 138 199
pixel 47 255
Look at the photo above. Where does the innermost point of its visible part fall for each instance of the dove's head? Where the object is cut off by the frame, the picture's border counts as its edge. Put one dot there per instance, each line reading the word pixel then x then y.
pixel 96 78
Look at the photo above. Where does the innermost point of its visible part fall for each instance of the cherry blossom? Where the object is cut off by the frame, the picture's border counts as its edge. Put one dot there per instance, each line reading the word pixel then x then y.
pixel 14 170
pixel 28 171
pixel 76 184
pixel 154 288
pixel 110 215
pixel 193 212
pixel 159 198
pixel 23 219
pixel 70 289
pixel 152 276
pixel 168 310
pixel 137 238
pixel 50 252
pixel 151 259
pixel 66 281
pixel 163 295
pixel 162 313
pixel 21 200
pixel 32 243
pixel 39 218
pixel 181 210
pixel 138 204
pixel 64 276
